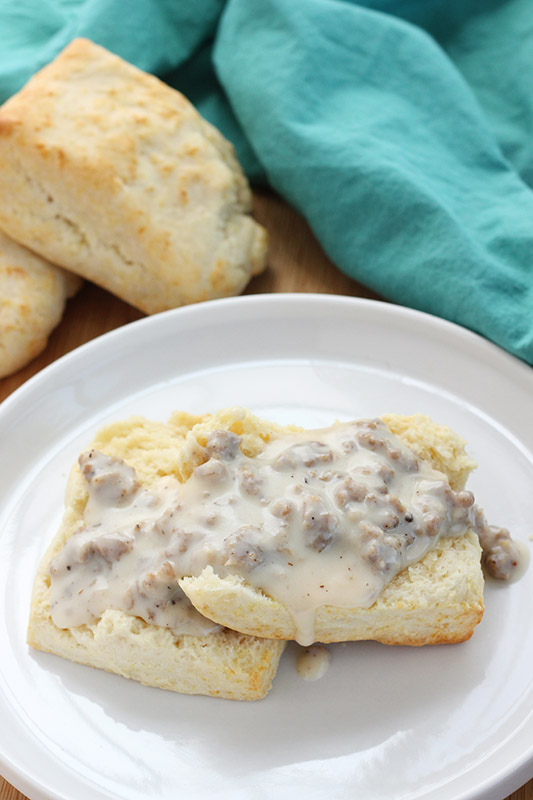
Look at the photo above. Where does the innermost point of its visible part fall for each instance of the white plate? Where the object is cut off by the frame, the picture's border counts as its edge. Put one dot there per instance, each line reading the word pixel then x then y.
pixel 444 722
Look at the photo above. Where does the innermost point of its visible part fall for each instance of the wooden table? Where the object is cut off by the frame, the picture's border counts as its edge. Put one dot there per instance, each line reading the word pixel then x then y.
pixel 296 264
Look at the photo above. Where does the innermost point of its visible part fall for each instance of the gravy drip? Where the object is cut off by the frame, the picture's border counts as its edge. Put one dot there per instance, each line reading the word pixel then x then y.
pixel 324 517
pixel 313 662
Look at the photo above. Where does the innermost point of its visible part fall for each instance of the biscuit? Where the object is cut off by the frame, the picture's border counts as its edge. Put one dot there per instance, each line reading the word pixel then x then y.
pixel 33 294
pixel 436 600
pixel 223 663
pixel 114 176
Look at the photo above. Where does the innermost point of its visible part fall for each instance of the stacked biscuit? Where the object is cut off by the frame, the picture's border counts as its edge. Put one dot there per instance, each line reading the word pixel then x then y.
pixel 439 599
pixel 114 176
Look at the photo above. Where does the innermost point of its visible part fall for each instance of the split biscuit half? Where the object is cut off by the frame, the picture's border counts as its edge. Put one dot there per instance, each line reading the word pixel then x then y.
pixel 223 663
pixel 436 600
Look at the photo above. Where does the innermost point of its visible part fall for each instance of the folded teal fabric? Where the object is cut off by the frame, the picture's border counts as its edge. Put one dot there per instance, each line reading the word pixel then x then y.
pixel 401 129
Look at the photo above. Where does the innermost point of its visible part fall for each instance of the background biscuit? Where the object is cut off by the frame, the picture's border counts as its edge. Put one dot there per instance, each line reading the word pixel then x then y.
pixel 115 176
pixel 33 293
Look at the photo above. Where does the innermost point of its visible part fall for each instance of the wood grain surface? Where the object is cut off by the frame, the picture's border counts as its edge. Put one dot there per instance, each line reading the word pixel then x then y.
pixel 296 264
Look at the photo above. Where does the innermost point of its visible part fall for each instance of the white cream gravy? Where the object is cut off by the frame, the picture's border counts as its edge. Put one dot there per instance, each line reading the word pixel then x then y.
pixel 313 662
pixel 324 517
pixel 118 559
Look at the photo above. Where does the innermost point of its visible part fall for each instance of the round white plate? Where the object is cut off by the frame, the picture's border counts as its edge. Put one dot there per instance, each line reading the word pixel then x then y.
pixel 441 722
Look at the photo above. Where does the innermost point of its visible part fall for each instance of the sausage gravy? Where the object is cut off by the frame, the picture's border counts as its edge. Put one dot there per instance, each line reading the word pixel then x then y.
pixel 324 517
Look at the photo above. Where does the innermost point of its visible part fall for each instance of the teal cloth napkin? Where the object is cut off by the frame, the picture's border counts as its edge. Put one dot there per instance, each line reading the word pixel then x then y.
pixel 401 129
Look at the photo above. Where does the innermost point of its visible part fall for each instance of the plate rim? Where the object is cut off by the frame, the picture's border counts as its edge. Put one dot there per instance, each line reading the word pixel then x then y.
pixel 476 340
pixel 491 787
